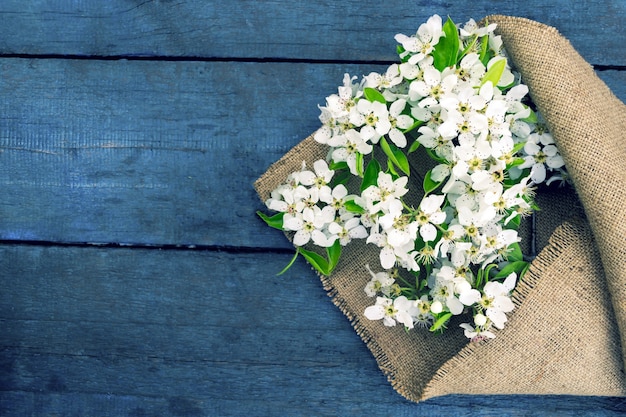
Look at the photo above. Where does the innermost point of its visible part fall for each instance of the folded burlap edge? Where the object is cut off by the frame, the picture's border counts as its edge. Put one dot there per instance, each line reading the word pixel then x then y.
pixel 532 355
pixel 422 384
pixel 587 121
pixel 295 157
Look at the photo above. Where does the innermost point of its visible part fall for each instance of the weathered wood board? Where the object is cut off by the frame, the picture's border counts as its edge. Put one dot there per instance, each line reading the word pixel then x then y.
pixel 89 330
pixel 350 30
pixel 135 278
pixel 154 153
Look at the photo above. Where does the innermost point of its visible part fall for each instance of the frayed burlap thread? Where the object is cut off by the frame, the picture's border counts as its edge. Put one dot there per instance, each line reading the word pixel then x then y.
pixel 564 335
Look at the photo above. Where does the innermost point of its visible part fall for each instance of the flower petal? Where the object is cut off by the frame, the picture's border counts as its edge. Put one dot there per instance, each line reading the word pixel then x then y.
pixel 375 312
pixel 387 258
pixel 397 138
pixel 428 232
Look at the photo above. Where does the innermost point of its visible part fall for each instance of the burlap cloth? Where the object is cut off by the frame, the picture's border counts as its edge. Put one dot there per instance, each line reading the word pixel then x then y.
pixel 568 332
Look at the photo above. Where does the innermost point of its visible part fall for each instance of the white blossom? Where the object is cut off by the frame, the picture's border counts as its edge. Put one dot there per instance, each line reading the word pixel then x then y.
pixel 422 44
pixel 379 197
pixel 379 283
pixel 399 121
pixel 399 310
pixel 347 230
pixel 373 119
pixel 496 300
pixel 489 150
pixel 309 225
pixel 387 80
pixel 350 144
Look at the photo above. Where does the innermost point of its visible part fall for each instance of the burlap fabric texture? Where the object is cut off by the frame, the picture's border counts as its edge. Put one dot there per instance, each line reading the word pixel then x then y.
pixel 567 334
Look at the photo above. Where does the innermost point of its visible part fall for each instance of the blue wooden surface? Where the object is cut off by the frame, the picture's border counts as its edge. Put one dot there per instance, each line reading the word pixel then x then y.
pixel 135 278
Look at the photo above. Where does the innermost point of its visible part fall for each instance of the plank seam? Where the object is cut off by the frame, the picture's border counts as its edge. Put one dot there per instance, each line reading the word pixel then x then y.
pixel 195 59
pixel 149 246
pixel 165 58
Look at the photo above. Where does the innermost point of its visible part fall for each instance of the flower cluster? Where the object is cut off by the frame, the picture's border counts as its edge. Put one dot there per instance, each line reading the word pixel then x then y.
pixel 454 110
pixel 300 200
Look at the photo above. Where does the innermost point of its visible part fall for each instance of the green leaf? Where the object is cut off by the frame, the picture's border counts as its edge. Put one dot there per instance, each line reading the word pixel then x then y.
pixel 414 146
pixel 353 207
pixel 494 72
pixel 333 252
pixel 514 223
pixel 340 177
pixel 295 256
pixel 521 274
pixel 371 94
pixel 518 147
pixel 400 50
pixel 370 177
pixel 485 52
pixel 480 274
pixel 515 254
pixel 517 267
pixel 435 157
pixel 392 170
pixel 468 47
pixel 359 163
pixel 534 206
pixel 447 49
pixel 395 155
pixel 342 165
pixel 516 162
pixel 275 221
pixel 429 184
pixel 484 275
pixel 441 321
pixel 317 261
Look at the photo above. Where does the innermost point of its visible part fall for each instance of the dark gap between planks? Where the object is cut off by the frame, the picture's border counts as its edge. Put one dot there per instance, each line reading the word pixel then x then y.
pixel 596 67
pixel 161 247
pixel 195 59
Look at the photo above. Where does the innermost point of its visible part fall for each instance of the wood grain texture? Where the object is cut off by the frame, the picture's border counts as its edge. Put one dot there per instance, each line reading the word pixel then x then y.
pixel 154 153
pixel 160 151
pixel 313 29
pixel 179 332
pixel 149 152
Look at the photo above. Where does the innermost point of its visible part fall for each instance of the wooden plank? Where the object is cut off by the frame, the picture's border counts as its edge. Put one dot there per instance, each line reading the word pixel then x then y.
pixel 315 29
pixel 180 332
pixel 78 404
pixel 149 152
pixel 153 153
